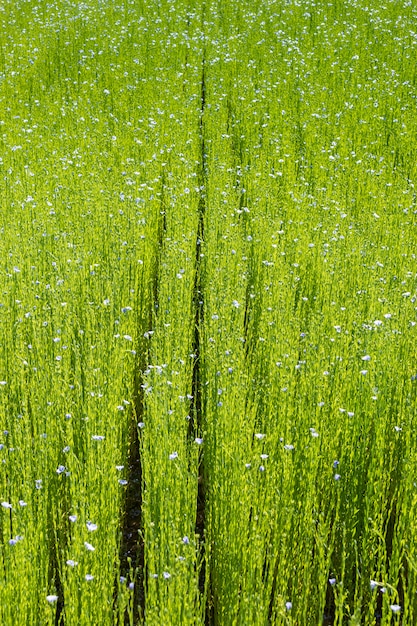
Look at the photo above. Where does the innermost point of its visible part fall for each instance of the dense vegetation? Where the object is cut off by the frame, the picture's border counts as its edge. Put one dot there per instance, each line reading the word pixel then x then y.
pixel 208 312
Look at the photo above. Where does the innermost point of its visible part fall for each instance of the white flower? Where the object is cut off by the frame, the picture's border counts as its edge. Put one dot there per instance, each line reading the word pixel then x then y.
pixel 89 547
pixel 6 505
pixel 52 599
pixel 91 527
pixel 395 608
pixel 89 577
pixel 97 437
pixel 173 456
pixel 72 518
pixel 72 563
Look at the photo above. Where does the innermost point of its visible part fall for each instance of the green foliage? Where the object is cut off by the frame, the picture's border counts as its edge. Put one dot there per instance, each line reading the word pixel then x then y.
pixel 207 312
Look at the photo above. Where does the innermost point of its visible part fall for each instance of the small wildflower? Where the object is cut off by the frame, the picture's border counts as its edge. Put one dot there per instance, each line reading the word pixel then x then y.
pixel 91 527
pixel 6 505
pixel 198 441
pixel 166 575
pixel 173 455
pixel 72 518
pixel 373 585
pixel 288 446
pixel 332 581
pixel 89 547
pixel 288 606
pixel 337 476
pixel 89 577
pixel 72 563
pixel 22 503
pixel 51 599
pixel 185 540
pixel 395 608
pixel 122 481
pixel 97 437
pixel 259 436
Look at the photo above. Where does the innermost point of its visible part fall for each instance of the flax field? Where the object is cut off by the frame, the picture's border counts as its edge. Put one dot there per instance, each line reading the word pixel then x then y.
pixel 208 312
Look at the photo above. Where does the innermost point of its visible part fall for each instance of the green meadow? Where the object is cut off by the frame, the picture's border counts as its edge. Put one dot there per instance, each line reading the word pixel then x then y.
pixel 208 312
